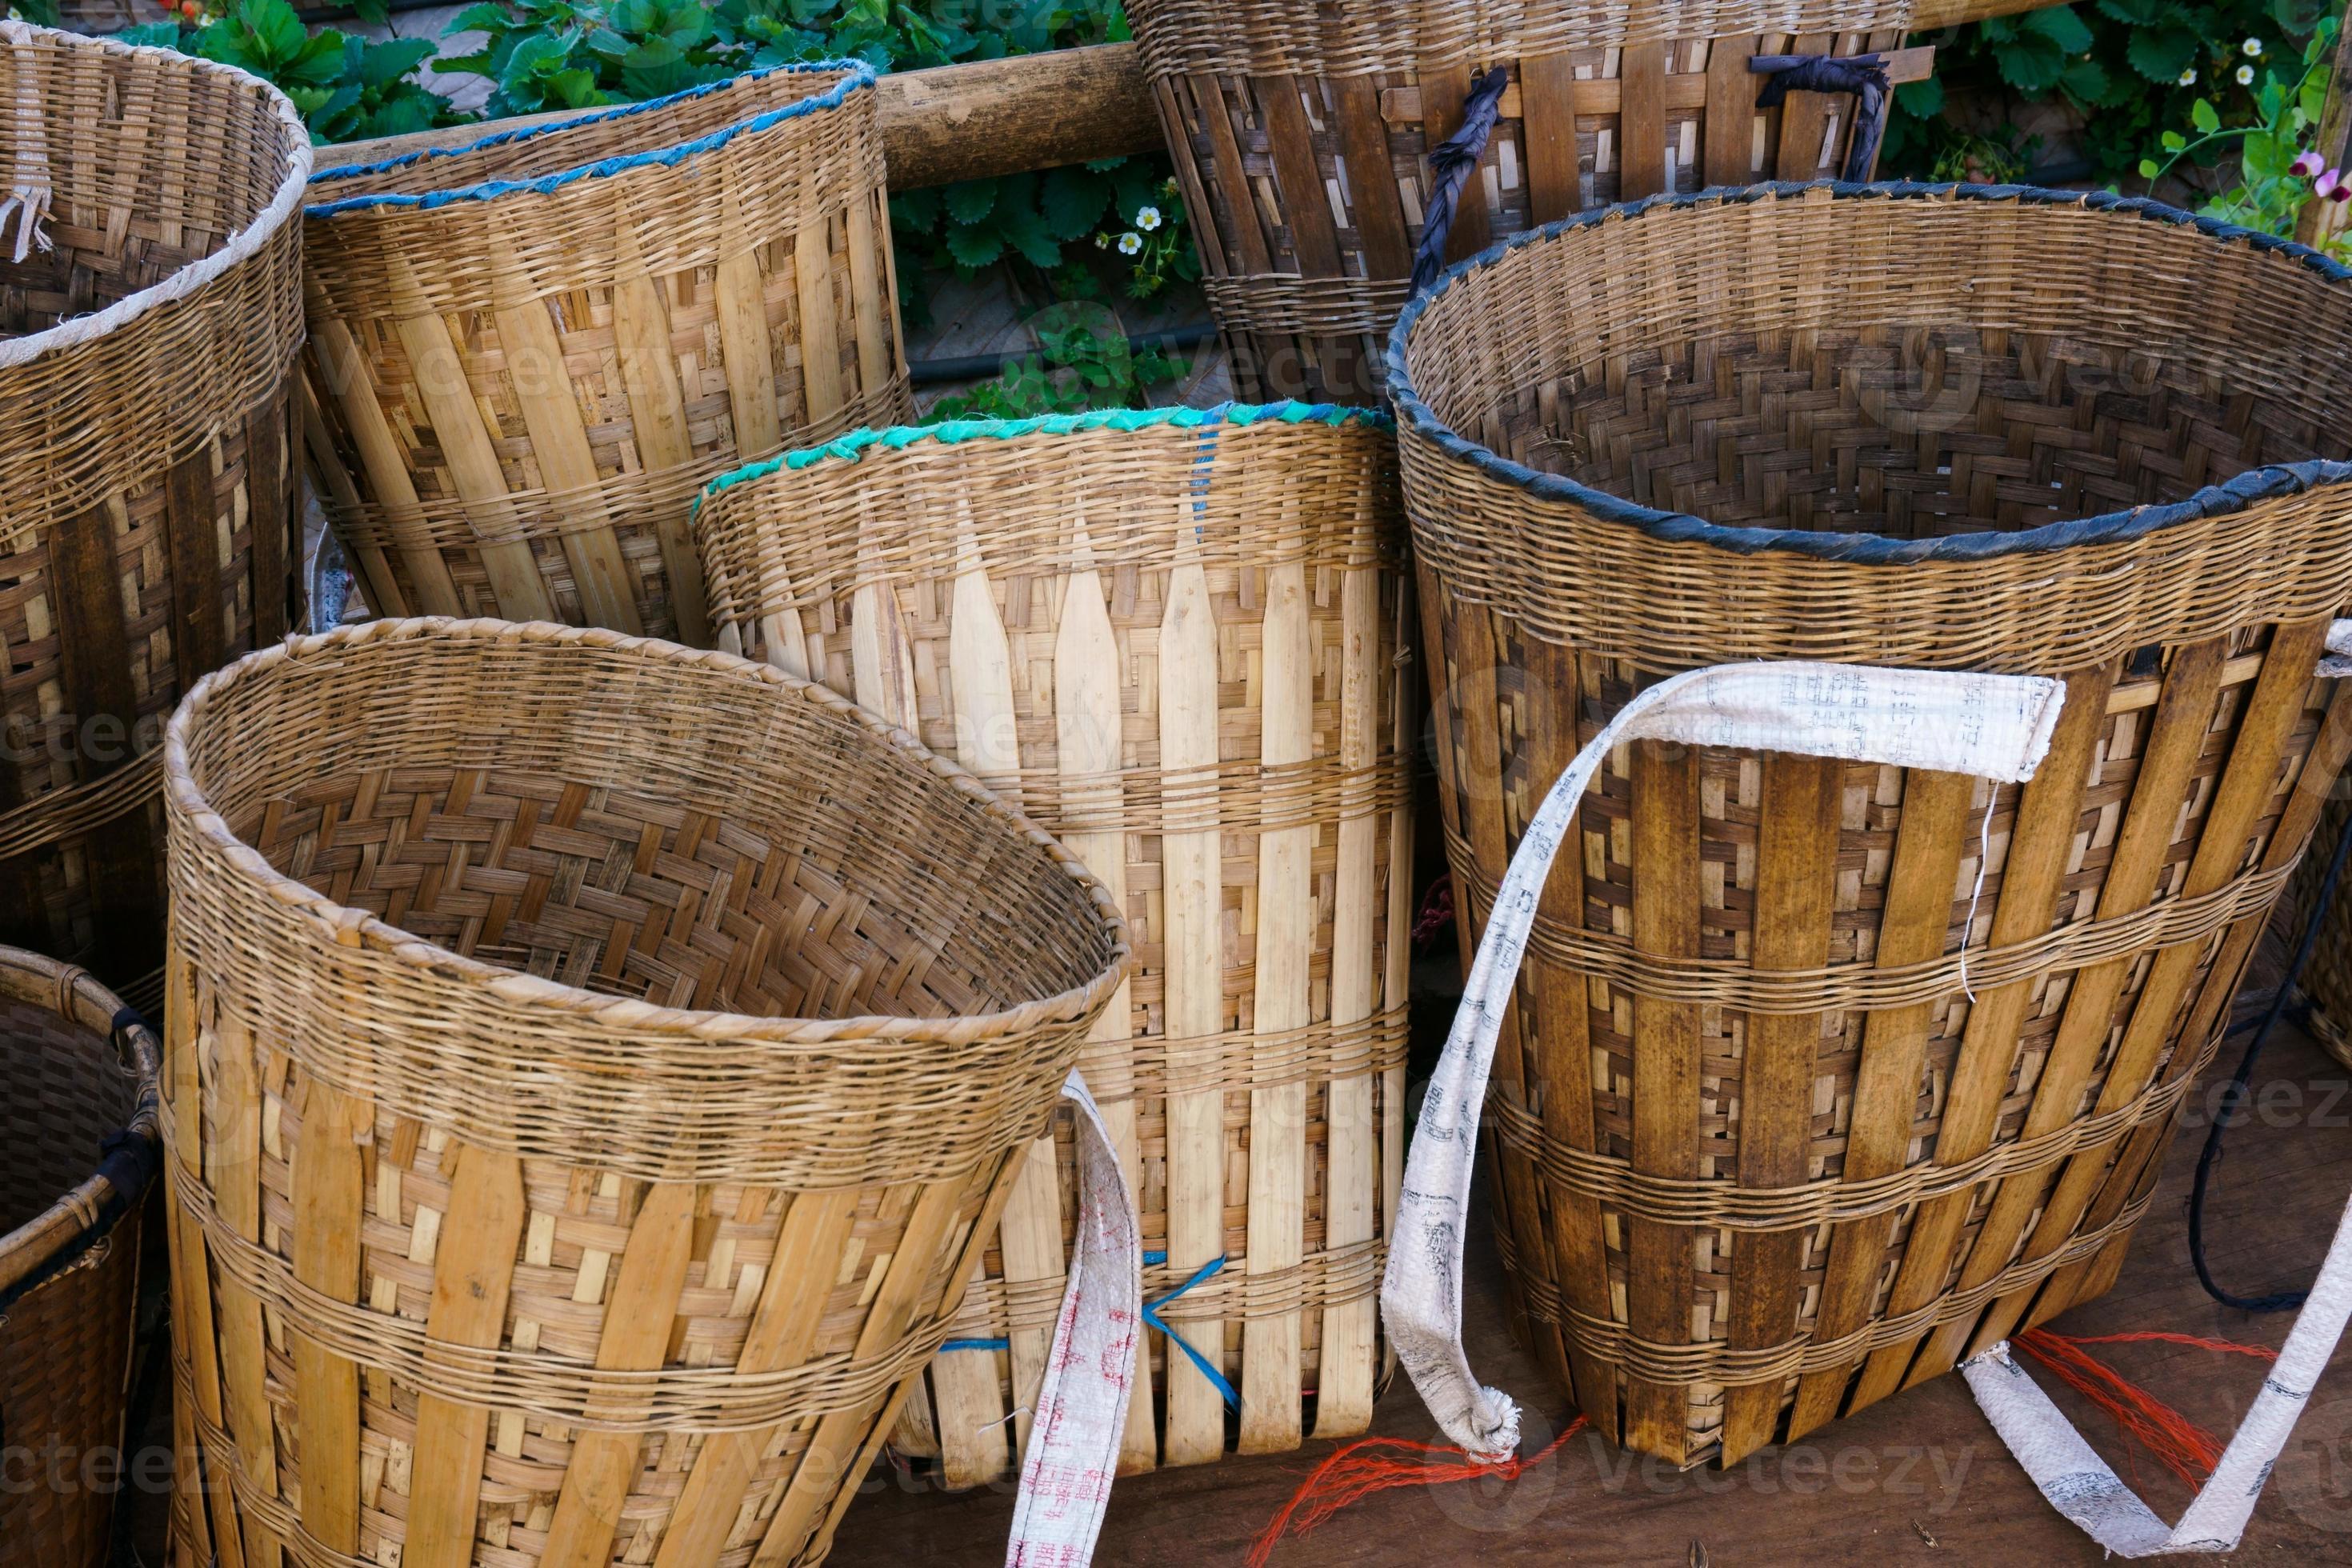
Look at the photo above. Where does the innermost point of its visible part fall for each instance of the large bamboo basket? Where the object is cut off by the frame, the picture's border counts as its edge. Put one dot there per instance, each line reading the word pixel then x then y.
pixel 592 1069
pixel 150 315
pixel 530 353
pixel 1175 638
pixel 78 1148
pixel 1302 130
pixel 1761 1156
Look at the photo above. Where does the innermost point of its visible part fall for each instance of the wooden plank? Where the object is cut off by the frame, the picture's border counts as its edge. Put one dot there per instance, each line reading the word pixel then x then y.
pixel 1659 1259
pixel 1371 178
pixel 649 362
pixel 874 306
pixel 2040 845
pixel 783 1335
pixel 2175 735
pixel 1796 897
pixel 387 467
pixel 473 1273
pixel 193 1327
pixel 1280 1002
pixel 1089 751
pixel 1562 1013
pixel 1729 130
pixel 820 389
pixel 233 1172
pixel 637 1320
pixel 1192 901
pixel 327 1186
pixel 439 376
pixel 1443 92
pixel 1548 135
pixel 199 643
pixel 1344 1382
pixel 1642 122
pixel 1804 119
pixel 1912 929
pixel 559 444
pixel 1314 236
pixel 270 517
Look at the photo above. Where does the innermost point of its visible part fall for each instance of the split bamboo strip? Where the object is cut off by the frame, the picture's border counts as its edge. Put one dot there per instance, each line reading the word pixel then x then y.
pixel 1175 638
pixel 1302 131
pixel 619 1047
pixel 533 349
pixel 1793 1117
pixel 150 312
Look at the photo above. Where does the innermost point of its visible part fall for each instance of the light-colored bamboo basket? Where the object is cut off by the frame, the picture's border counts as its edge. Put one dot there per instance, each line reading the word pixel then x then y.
pixel 78 1148
pixel 591 1068
pixel 1176 638
pixel 530 353
pixel 151 312
pixel 1767 1152
pixel 1302 131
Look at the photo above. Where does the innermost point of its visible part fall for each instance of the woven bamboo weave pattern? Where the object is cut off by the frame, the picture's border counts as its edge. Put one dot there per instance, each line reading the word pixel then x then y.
pixel 591 1066
pixel 1302 134
pixel 66 1340
pixel 1176 638
pixel 148 498
pixel 1876 424
pixel 529 353
pixel 2327 978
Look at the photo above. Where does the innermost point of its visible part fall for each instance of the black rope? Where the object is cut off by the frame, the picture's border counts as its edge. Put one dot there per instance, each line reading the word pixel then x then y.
pixel 2233 1096
pixel 1862 76
pixel 1449 165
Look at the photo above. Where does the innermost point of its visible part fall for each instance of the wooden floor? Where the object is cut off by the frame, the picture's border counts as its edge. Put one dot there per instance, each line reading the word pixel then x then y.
pixel 1918 1479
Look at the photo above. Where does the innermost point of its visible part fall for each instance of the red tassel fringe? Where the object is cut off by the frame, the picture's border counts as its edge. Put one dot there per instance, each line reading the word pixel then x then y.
pixel 2185 1448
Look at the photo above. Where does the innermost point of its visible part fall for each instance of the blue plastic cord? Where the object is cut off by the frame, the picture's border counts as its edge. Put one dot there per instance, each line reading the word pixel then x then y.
pixel 1152 1315
pixel 976 1345
pixel 858 77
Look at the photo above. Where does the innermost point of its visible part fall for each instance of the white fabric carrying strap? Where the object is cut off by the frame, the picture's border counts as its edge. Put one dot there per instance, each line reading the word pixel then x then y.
pixel 1995 726
pixel 1073 1439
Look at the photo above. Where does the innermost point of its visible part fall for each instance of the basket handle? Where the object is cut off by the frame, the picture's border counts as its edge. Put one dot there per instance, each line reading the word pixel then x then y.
pixel 1996 726
pixel 1863 76
pixel 1451 164
pixel 28 197
pixel 1074 1440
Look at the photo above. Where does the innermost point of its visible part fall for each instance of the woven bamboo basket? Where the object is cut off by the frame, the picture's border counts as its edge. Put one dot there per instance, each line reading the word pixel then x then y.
pixel 529 353
pixel 1303 129
pixel 78 1148
pixel 2326 979
pixel 591 1066
pixel 149 316
pixel 1174 638
pixel 1735 1201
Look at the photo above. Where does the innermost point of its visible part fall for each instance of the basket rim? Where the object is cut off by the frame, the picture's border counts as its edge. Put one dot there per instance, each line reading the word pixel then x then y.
pixel 76 996
pixel 243 244
pixel 853 446
pixel 2256 485
pixel 856 75
pixel 187 802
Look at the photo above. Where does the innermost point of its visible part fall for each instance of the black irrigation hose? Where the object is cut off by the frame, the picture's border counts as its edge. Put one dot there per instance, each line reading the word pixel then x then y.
pixel 2234 1096
pixel 975 367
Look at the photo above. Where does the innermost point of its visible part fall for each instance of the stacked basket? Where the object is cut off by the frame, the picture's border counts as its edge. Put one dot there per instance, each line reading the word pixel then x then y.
pixel 151 311
pixel 1788 1117
pixel 1177 639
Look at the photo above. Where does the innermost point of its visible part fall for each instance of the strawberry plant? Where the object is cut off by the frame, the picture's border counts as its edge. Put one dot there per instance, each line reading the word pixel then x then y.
pixel 348 87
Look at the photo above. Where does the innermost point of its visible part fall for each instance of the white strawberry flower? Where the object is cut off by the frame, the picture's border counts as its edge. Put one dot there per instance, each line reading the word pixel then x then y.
pixel 1130 243
pixel 1148 219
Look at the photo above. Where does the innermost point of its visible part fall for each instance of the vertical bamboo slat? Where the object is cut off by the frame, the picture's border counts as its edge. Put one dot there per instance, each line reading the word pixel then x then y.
pixel 1845 1074
pixel 1172 637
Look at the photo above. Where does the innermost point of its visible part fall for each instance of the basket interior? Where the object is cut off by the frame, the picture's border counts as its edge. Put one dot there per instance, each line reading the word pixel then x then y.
pixel 1911 367
pixel 153 161
pixel 597 135
pixel 641 827
pixel 66 1090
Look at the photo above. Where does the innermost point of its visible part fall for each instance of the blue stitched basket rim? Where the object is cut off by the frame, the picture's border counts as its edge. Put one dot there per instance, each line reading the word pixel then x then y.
pixel 856 75
pixel 1866 548
pixel 854 446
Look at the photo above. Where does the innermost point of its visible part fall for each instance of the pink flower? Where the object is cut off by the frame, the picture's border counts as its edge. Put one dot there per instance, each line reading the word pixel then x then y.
pixel 2306 163
pixel 2330 184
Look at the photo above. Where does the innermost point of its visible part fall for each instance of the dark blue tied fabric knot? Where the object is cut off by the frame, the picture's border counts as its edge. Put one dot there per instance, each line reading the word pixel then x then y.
pixel 1863 76
pixel 1450 166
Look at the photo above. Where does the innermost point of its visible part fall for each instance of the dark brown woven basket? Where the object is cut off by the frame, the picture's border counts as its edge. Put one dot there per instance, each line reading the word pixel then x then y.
pixel 149 508
pixel 1303 129
pixel 79 1068
pixel 2020 431
pixel 2326 979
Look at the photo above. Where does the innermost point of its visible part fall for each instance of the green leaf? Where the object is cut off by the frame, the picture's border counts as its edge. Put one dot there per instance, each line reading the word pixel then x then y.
pixel 974 246
pixel 2032 65
pixel 2086 80
pixel 1924 99
pixel 375 12
pixel 2137 13
pixel 2060 26
pixel 2205 117
pixel 153 34
pixel 380 65
pixel 918 210
pixel 1072 201
pixel 971 200
pixel 2161 55
pixel 575 87
pixel 2173 141
pixel 1025 230
pixel 2147 168
pixel 479 18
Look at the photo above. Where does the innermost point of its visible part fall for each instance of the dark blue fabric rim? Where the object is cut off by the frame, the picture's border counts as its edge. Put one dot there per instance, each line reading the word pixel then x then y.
pixel 859 77
pixel 1862 549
